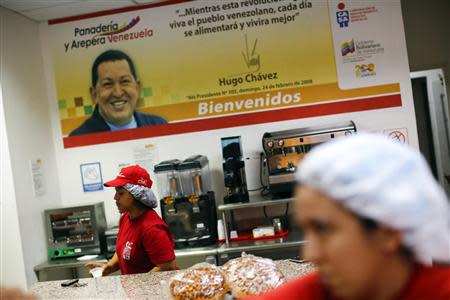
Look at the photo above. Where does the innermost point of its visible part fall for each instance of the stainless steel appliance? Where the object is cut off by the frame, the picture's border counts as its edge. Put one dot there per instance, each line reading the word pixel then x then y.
pixel 75 231
pixel 433 122
pixel 187 205
pixel 111 238
pixel 234 170
pixel 284 151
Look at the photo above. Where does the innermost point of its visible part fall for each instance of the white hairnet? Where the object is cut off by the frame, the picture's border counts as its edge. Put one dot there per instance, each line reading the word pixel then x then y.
pixel 142 194
pixel 388 182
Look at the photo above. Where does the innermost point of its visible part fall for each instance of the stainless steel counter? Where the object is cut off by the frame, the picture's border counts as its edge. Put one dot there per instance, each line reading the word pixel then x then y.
pixel 68 268
pixel 64 268
pixel 294 239
pixel 279 248
pixel 66 263
pixel 255 201
pixel 208 250
pixel 190 256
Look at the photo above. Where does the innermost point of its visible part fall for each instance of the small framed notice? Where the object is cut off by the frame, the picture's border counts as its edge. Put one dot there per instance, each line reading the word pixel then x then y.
pixel 91 177
pixel 38 177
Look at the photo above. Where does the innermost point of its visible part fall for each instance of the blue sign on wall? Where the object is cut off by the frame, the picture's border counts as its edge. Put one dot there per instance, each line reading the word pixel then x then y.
pixel 91 177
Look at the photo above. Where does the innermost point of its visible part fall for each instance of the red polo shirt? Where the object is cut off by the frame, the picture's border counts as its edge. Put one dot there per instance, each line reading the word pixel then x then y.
pixel 143 242
pixel 426 283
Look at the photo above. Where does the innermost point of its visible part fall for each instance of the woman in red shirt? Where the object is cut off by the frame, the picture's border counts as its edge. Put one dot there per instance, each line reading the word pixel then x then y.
pixel 374 219
pixel 144 242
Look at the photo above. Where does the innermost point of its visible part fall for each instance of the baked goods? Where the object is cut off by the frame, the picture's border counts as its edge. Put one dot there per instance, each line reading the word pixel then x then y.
pixel 244 276
pixel 200 282
pixel 251 275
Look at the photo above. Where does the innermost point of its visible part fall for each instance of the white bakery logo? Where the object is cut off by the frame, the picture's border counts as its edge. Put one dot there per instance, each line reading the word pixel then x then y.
pixel 142 181
pixel 126 253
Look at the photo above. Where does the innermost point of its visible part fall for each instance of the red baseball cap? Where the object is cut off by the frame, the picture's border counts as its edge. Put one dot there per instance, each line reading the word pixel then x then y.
pixel 132 174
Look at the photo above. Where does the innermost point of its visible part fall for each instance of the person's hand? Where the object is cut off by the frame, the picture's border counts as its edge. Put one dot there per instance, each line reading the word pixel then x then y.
pixel 14 294
pixel 107 269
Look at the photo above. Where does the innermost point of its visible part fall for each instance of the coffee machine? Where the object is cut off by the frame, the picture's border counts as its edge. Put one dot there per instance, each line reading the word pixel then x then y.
pixel 234 171
pixel 187 205
pixel 284 151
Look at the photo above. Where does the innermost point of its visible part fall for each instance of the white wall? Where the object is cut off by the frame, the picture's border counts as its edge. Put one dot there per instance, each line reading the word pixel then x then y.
pixel 33 128
pixel 12 267
pixel 207 142
pixel 27 118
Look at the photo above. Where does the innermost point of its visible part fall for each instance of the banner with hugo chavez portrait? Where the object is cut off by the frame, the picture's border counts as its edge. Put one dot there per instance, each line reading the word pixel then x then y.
pixel 192 66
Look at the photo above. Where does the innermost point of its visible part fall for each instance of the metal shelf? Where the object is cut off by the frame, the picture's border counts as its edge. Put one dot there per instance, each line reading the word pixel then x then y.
pixel 254 202
pixel 196 251
pixel 291 240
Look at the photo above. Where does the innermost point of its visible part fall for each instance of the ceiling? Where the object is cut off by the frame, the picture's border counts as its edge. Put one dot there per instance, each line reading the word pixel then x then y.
pixel 43 10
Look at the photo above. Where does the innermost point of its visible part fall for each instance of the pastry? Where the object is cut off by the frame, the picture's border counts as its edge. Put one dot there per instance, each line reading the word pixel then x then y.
pixel 251 275
pixel 201 282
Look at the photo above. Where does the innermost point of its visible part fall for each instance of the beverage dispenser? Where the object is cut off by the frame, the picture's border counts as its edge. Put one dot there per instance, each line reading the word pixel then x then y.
pixel 168 180
pixel 188 206
pixel 194 173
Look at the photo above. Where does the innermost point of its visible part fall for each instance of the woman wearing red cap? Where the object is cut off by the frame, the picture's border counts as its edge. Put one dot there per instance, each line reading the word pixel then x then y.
pixel 144 242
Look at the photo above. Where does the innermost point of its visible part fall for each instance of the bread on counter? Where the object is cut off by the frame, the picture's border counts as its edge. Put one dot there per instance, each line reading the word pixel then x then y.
pixel 200 282
pixel 251 275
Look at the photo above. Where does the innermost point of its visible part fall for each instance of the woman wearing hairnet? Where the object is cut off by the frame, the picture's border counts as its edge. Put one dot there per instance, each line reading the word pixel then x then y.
pixel 374 218
pixel 144 242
